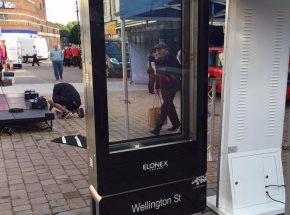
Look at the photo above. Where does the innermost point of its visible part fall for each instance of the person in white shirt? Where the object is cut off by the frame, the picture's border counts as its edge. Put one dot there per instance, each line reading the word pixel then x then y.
pixel 35 60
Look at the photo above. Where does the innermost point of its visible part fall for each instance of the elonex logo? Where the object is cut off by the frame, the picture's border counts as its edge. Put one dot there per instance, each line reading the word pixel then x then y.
pixel 155 166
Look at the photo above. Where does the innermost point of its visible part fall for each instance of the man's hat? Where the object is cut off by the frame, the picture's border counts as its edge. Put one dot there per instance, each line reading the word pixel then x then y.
pixel 161 45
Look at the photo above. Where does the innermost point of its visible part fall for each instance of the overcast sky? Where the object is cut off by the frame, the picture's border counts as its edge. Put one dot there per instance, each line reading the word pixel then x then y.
pixel 61 11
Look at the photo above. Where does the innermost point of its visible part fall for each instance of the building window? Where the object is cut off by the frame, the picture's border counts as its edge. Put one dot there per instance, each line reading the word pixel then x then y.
pixel 3 16
pixel 41 28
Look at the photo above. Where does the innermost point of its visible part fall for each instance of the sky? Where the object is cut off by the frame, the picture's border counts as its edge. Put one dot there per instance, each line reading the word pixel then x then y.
pixel 61 11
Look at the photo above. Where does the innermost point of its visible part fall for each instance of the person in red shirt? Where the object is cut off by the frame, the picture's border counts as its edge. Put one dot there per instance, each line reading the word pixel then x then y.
pixel 76 54
pixel 3 53
pixel 67 56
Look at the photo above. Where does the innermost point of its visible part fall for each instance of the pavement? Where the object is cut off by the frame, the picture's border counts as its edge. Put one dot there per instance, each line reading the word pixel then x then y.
pixel 42 177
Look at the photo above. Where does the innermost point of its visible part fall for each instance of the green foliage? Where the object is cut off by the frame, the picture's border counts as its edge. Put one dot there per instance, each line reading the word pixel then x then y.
pixel 62 27
pixel 71 25
pixel 73 29
pixel 75 35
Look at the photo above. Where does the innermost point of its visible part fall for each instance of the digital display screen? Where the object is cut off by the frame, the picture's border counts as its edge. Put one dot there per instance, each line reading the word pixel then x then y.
pixel 146 84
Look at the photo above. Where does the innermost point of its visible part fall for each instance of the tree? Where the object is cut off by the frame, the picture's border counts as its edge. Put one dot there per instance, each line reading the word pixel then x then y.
pixel 62 27
pixel 71 25
pixel 75 35
pixel 73 29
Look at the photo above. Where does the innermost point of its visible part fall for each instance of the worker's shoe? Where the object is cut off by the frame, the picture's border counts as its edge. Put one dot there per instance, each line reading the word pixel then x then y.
pixel 68 115
pixel 65 115
pixel 81 113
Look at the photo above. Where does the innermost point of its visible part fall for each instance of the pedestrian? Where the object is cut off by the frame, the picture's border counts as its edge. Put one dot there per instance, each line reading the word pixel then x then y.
pixel 56 56
pixel 34 55
pixel 1 66
pixel 66 99
pixel 151 71
pixel 169 72
pixel 76 54
pixel 4 54
pixel 67 56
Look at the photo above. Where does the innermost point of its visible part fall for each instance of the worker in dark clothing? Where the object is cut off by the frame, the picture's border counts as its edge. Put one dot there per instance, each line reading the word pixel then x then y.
pixel 169 72
pixel 66 99
pixel 35 60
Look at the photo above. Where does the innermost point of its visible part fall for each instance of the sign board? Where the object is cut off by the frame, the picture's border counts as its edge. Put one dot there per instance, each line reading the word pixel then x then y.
pixel 110 28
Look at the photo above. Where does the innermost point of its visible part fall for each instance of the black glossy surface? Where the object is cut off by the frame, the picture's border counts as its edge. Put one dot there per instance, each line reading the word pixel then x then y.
pixel 174 199
pixel 123 172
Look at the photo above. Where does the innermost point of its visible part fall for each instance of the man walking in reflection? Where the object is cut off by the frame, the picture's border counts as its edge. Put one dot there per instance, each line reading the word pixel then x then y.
pixel 169 71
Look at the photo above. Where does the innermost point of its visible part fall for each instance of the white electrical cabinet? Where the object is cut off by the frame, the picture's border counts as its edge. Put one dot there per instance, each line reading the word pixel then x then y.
pixel 254 92
pixel 251 174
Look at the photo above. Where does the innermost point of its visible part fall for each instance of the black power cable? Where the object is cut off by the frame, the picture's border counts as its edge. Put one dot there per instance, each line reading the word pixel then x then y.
pixel 275 200
pixel 275 186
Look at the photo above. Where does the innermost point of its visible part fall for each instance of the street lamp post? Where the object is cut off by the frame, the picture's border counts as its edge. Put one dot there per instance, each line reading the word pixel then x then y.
pixel 79 35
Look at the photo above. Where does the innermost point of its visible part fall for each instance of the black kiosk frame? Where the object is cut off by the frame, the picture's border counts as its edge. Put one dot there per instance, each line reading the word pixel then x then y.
pixel 166 175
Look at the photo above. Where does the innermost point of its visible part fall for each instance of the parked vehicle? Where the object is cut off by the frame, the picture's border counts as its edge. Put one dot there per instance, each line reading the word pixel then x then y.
pixel 215 68
pixel 13 48
pixel 215 65
pixel 27 50
pixel 114 58
pixel 288 83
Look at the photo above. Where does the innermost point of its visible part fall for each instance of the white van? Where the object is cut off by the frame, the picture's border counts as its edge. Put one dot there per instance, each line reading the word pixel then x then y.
pixel 27 48
pixel 13 48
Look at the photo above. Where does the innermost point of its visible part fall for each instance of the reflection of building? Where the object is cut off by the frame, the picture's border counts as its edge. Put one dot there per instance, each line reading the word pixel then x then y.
pixel 111 10
pixel 27 18
pixel 147 23
pixel 151 25
pixel 111 16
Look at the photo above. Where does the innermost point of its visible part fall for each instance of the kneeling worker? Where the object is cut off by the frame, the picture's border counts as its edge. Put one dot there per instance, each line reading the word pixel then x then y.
pixel 66 99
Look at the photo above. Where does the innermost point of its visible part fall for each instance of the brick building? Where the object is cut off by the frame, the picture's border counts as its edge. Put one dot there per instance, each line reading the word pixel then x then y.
pixel 27 18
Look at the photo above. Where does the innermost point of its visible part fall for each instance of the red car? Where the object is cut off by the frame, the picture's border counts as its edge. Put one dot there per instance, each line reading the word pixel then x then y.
pixel 215 68
pixel 215 65
pixel 288 82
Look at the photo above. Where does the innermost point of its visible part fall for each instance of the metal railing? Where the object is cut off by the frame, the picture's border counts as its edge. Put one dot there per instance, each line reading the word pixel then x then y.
pixel 211 155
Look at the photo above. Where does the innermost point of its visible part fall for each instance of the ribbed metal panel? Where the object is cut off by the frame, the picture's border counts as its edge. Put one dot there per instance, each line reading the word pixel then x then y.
pixel 276 68
pixel 244 72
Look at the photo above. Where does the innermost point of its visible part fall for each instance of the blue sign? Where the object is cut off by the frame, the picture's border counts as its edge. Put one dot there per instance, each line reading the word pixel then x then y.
pixel 169 10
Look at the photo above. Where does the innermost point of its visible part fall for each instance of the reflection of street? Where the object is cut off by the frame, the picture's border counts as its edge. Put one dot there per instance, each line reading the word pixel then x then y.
pixel 140 102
